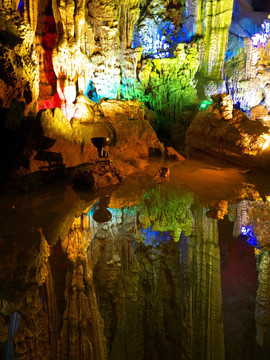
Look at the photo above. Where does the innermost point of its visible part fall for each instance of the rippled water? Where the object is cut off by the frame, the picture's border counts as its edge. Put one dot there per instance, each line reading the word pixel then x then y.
pixel 143 270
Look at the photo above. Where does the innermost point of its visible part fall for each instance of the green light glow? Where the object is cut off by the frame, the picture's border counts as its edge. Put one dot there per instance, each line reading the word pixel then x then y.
pixel 205 104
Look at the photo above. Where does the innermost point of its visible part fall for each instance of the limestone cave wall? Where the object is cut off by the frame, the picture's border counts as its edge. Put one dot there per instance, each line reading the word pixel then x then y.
pixel 108 49
pixel 246 63
pixel 165 53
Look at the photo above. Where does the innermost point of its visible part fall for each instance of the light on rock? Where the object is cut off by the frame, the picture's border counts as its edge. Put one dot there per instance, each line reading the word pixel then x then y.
pixel 205 104
pixel 267 142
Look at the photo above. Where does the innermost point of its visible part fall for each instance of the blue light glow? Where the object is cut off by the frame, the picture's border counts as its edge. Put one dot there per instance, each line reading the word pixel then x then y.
pixel 127 87
pixel 161 55
pixel 102 87
pixel 159 39
pixel 262 36
pixel 114 212
pixel 108 88
pixel 21 7
pixel 12 329
pixel 243 230
pixel 91 91
pixel 154 238
pixel 248 231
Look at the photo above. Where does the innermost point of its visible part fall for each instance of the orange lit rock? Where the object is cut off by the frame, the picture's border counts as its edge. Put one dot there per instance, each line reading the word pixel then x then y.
pixel 162 174
pixel 55 144
pixel 258 111
pixel 96 176
pixel 84 109
pixel 18 60
pixel 172 154
pixel 3 330
pixel 238 140
pixel 226 107
pixel 218 210
pixel 119 111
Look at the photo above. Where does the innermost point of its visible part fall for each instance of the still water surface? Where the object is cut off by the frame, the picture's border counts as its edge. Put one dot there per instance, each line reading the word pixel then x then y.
pixel 143 270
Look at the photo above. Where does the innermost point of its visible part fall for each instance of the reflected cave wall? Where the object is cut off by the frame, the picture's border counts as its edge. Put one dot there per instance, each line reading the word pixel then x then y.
pixel 106 295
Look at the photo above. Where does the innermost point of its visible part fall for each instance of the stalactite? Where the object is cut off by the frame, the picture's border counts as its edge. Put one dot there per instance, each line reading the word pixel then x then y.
pixel 252 58
pixel 33 13
pixel 129 14
pixel 248 72
pixel 51 310
pixel 71 66
pixel 10 4
pixel 213 19
pixel 19 63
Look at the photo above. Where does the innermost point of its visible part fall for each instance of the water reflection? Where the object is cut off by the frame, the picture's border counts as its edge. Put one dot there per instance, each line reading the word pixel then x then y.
pixel 155 275
pixel 101 213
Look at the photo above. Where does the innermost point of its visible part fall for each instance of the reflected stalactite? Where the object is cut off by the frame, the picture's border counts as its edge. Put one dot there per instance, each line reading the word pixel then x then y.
pixel 50 308
pixel 262 310
pixel 153 295
pixel 38 327
pixel 253 217
pixel 35 333
pixel 241 216
pixel 202 305
pixel 165 210
pixel 82 331
pixel 116 277
pixel 124 289
pixel 258 219
pixel 3 329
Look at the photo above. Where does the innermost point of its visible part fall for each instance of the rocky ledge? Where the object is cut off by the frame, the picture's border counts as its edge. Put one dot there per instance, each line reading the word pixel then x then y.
pixel 111 137
pixel 229 134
